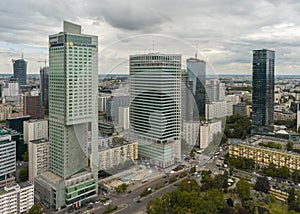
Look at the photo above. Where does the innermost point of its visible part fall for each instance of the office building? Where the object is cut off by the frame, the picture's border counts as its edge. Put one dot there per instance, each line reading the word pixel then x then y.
pixel 124 117
pixel 215 91
pixel 32 106
pixel 35 129
pixel 20 71
pixel 16 198
pixel 196 71
pixel 155 107
pixel 240 108
pixel 38 158
pixel 263 91
pixel 189 107
pixel 73 121
pixel 16 123
pixel 44 87
pixel 102 102
pixel 21 147
pixel 112 106
pixel 7 159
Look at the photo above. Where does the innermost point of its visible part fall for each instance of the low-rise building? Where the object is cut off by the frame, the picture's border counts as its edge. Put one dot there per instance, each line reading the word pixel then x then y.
pixel 116 154
pixel 264 156
pixel 16 198
pixel 5 111
pixel 278 115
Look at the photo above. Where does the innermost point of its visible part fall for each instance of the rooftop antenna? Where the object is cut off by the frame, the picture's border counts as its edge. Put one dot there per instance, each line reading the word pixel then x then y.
pixel 22 55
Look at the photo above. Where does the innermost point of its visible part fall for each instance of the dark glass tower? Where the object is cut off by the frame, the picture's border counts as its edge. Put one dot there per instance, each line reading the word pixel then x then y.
pixel 44 84
pixel 196 70
pixel 20 70
pixel 263 91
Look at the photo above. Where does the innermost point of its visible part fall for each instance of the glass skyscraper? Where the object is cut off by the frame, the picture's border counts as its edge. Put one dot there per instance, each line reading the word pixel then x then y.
pixel 263 91
pixel 20 71
pixel 196 70
pixel 155 106
pixel 44 86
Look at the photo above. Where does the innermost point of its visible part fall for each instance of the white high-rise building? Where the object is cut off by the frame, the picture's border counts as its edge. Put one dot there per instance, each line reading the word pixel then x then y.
pixel 234 98
pixel 124 117
pixel 215 110
pixel 103 102
pixel 155 106
pixel 73 119
pixel 190 133
pixel 208 131
pixel 35 129
pixel 38 158
pixel 215 91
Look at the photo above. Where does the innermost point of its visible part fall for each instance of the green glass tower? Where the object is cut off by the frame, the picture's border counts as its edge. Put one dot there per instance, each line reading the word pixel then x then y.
pixel 73 121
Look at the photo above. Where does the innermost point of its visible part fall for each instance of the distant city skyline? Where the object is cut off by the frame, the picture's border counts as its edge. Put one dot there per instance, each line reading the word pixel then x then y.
pixel 179 28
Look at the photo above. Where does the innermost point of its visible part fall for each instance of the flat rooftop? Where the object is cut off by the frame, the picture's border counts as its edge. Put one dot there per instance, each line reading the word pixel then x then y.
pixel 25 184
pixel 38 141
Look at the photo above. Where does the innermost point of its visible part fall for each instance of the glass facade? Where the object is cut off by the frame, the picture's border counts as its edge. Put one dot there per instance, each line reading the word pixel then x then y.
pixel 155 106
pixel 20 71
pixel 196 69
pixel 263 91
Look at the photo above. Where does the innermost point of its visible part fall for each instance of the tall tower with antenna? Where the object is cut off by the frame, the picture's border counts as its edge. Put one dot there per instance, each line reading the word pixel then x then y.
pixel 20 70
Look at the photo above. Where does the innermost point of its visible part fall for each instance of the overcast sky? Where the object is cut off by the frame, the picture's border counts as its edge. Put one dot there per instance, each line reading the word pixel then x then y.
pixel 224 32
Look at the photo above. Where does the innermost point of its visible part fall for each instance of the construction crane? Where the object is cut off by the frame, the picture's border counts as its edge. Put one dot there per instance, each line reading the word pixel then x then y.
pixel 45 61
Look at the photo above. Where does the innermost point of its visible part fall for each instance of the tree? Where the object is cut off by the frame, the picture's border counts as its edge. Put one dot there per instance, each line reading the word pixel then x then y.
pixel 23 174
pixel 225 181
pixel 156 206
pixel 36 209
pixel 283 172
pixel 193 169
pixel 262 184
pixel 291 198
pixel 243 189
pixel 296 176
pixel 289 146
pixel 25 156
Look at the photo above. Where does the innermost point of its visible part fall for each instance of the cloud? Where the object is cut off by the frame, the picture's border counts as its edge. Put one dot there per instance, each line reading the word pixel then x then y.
pixel 225 32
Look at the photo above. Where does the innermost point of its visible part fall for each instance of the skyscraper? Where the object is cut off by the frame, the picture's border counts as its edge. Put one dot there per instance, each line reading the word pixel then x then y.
pixel 73 118
pixel 44 86
pixel 263 91
pixel 20 70
pixel 155 106
pixel 196 69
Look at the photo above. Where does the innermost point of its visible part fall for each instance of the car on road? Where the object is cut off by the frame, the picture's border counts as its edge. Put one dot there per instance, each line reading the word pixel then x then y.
pixel 106 203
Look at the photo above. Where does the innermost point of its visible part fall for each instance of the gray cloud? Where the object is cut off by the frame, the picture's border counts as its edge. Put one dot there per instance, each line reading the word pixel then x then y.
pixel 225 32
